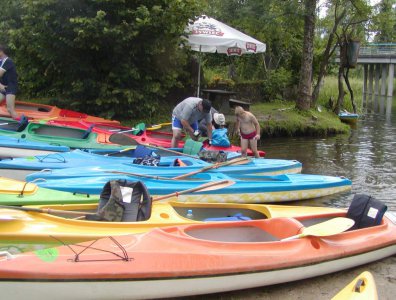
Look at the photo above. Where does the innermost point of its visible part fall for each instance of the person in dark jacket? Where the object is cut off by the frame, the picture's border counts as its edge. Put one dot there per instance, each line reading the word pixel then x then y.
pixel 8 81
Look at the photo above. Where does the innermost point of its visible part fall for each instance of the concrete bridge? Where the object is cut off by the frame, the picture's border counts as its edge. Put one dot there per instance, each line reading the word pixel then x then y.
pixel 378 62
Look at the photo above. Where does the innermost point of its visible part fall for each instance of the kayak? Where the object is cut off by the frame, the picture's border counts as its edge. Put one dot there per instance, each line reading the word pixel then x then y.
pixel 17 147
pixel 193 259
pixel 348 117
pixel 166 168
pixel 71 137
pixel 132 136
pixel 15 192
pixel 250 189
pixel 26 227
pixel 98 161
pixel 18 168
pixel 361 288
pixel 48 112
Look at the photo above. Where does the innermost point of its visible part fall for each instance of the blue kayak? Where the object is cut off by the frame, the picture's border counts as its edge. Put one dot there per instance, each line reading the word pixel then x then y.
pixel 170 167
pixel 253 189
pixel 19 147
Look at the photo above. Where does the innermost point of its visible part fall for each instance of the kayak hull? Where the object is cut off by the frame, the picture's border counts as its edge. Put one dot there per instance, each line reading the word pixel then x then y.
pixel 361 288
pixel 252 189
pixel 40 229
pixel 15 192
pixel 57 135
pixel 192 259
pixel 48 112
pixel 156 138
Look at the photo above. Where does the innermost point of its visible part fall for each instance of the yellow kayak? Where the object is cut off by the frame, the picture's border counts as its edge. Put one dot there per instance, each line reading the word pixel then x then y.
pixel 24 227
pixel 361 288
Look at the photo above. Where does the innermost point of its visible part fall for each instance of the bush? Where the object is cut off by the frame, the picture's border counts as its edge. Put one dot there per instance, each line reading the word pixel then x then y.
pixel 114 58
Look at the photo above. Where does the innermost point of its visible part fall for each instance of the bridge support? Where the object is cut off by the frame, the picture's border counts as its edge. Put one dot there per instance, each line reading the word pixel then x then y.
pixel 377 80
pixel 391 75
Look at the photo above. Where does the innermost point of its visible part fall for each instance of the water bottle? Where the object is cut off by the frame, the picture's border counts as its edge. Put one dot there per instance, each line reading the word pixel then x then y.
pixel 189 214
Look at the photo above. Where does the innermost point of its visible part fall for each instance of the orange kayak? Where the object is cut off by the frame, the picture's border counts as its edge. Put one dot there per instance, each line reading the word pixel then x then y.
pixel 48 112
pixel 193 259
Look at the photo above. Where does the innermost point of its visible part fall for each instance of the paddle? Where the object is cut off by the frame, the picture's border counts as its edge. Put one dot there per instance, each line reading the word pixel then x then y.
pixel 326 228
pixel 157 126
pixel 211 186
pixel 236 161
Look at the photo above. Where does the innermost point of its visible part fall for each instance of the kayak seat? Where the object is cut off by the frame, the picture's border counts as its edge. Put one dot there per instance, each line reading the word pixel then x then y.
pixel 22 124
pixel 366 211
pixel 192 147
pixel 87 132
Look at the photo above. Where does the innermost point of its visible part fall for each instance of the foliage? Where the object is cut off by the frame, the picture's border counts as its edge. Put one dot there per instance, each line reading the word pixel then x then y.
pixel 116 57
pixel 276 23
pixel 384 22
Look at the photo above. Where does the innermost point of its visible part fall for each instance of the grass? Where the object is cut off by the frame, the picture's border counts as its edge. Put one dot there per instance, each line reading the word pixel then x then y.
pixel 330 90
pixel 281 118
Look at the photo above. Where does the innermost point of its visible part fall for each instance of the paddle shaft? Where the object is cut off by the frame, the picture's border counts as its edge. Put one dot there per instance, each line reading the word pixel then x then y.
pixel 207 187
pixel 47 210
pixel 239 160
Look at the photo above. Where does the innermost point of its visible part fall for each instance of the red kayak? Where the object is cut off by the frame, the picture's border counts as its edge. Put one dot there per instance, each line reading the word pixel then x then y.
pixel 118 134
pixel 48 112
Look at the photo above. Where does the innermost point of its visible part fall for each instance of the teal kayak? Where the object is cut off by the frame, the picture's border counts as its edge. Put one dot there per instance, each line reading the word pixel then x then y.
pixel 251 189
pixel 54 135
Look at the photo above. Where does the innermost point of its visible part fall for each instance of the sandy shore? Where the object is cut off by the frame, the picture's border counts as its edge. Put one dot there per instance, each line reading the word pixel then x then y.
pixel 317 288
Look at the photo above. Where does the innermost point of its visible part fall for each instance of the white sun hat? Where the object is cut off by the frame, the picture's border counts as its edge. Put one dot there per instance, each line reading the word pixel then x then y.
pixel 219 119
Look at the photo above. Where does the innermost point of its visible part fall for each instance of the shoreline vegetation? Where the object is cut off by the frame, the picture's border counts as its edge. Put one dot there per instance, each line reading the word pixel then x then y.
pixel 278 118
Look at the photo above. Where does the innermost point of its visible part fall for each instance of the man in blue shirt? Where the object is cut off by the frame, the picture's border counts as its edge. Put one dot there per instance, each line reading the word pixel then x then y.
pixel 186 115
pixel 8 81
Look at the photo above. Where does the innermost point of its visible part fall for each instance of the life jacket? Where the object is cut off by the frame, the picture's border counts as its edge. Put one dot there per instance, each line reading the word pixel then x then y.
pixel 124 201
pixel 366 211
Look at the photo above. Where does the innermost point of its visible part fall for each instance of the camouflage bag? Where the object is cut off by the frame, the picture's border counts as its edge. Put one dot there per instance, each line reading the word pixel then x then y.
pixel 212 156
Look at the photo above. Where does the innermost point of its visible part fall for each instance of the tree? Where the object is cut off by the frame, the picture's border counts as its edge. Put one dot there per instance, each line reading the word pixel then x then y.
pixel 384 23
pixel 111 57
pixel 305 84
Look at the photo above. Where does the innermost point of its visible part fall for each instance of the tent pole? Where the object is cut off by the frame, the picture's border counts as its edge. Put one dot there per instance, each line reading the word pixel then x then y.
pixel 199 72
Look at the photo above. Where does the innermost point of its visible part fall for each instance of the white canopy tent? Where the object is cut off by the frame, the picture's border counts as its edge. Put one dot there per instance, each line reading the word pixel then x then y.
pixel 209 35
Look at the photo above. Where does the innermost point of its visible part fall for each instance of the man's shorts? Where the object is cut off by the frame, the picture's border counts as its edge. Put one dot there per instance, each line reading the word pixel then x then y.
pixel 176 124
pixel 10 90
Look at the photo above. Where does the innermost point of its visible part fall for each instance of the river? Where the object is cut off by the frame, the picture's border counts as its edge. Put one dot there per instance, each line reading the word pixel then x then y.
pixel 367 157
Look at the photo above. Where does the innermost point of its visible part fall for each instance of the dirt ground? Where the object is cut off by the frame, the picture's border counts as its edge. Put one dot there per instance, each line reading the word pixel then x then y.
pixel 318 288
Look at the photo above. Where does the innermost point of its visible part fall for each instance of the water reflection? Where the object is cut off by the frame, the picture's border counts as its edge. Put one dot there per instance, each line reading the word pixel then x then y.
pixel 366 156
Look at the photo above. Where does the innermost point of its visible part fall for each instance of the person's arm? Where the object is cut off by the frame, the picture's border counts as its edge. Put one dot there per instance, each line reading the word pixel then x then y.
pixel 257 126
pixel 3 69
pixel 237 126
pixel 188 128
pixel 210 128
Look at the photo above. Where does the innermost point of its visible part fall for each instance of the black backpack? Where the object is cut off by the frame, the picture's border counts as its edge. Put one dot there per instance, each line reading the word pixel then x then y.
pixel 366 211
pixel 125 201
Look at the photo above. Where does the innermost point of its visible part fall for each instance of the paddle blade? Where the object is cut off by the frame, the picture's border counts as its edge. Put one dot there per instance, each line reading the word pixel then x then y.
pixel 326 228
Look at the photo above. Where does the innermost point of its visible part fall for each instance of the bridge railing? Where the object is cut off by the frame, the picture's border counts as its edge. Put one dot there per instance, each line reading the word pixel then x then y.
pixel 375 50
pixel 378 50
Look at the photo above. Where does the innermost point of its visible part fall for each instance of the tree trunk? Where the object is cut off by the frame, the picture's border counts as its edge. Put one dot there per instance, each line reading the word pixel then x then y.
pixel 343 61
pixel 327 53
pixel 346 78
pixel 305 83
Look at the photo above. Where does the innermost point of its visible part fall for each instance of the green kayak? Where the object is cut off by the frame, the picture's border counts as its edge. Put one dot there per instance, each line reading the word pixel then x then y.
pixel 55 135
pixel 15 192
